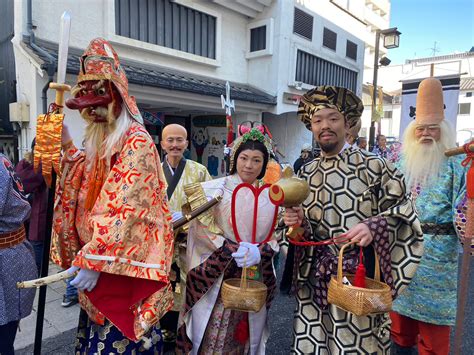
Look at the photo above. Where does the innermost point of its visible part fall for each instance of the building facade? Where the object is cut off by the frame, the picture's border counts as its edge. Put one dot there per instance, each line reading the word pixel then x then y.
pixel 8 131
pixel 178 54
pixel 446 68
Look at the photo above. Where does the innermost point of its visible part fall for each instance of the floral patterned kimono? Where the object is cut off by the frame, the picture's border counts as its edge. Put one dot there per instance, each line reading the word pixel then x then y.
pixel 205 326
pixel 126 236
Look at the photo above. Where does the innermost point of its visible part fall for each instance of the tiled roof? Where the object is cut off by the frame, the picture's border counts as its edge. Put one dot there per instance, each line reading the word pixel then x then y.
pixel 155 76
pixel 467 84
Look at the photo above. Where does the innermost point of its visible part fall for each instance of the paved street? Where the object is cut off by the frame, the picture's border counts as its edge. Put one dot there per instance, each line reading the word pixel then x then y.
pixel 281 320
pixel 60 324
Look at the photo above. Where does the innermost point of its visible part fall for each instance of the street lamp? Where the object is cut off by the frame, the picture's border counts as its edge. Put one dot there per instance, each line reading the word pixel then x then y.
pixel 391 39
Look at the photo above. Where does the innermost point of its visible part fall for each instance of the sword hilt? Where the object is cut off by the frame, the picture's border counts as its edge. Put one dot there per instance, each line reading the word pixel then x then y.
pixel 60 89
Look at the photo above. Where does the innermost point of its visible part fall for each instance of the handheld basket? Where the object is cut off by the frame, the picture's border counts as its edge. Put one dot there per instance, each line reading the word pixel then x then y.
pixel 242 294
pixel 375 298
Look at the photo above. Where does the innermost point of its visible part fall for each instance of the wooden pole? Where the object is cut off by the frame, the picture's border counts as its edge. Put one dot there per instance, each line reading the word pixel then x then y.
pixel 44 268
pixel 59 100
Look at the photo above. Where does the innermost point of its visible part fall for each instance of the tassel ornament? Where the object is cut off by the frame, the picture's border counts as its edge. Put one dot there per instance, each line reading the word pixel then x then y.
pixel 242 333
pixel 359 279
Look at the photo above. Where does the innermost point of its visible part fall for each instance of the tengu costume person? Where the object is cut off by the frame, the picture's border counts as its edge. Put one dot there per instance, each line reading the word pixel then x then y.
pixel 111 217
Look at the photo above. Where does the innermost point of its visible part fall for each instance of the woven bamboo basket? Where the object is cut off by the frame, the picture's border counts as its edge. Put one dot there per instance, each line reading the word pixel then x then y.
pixel 242 294
pixel 375 298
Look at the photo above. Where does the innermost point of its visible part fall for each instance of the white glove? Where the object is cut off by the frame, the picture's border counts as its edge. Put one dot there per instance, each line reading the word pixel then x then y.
pixel 86 279
pixel 176 215
pixel 247 252
pixel 72 270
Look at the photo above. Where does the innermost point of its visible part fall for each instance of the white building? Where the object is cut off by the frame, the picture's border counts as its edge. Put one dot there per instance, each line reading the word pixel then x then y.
pixel 179 53
pixel 444 67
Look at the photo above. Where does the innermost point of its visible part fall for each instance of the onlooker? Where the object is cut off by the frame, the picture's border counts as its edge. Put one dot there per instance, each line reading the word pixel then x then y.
pixel 306 156
pixel 16 256
pixel 35 186
pixel 362 143
pixel 276 152
pixel 381 148
pixel 70 298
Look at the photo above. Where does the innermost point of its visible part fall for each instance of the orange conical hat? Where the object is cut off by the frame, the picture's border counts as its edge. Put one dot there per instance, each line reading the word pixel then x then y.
pixel 429 102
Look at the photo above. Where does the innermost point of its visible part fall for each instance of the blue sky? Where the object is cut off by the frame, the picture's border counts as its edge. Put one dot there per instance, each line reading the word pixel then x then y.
pixel 422 22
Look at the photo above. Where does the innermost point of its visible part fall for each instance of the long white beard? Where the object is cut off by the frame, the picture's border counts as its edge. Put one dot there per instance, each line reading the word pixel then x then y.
pixel 101 138
pixel 422 162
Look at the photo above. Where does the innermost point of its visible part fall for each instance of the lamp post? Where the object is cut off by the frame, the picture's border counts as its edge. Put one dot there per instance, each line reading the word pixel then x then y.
pixel 391 39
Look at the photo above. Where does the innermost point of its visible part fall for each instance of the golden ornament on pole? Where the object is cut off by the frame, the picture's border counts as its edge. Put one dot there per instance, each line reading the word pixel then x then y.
pixel 48 135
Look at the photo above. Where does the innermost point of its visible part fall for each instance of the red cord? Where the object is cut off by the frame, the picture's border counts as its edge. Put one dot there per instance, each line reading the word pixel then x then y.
pixel 256 192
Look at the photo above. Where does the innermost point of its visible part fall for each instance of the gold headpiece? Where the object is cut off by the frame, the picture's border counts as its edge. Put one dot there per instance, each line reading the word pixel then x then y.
pixel 340 99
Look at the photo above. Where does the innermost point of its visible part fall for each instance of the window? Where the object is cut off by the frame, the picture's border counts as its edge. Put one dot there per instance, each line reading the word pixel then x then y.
pixel 464 108
pixel 258 38
pixel 329 39
pixel 397 99
pixel 313 70
pixel 167 24
pixel 351 50
pixel 469 94
pixel 387 114
pixel 303 24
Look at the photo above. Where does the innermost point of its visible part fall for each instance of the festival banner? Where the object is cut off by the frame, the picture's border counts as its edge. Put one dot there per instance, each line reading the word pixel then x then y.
pixel 450 94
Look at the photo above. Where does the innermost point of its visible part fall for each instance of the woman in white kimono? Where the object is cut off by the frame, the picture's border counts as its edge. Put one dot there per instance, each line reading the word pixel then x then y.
pixel 214 255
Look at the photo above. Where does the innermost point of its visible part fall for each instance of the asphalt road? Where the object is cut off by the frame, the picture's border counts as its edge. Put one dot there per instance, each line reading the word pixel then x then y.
pixel 280 321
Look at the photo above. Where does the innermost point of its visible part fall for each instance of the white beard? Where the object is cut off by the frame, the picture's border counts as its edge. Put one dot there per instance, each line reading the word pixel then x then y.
pixel 101 138
pixel 422 162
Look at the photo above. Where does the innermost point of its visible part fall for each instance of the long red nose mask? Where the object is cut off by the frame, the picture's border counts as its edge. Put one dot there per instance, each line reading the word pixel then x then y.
pixel 95 94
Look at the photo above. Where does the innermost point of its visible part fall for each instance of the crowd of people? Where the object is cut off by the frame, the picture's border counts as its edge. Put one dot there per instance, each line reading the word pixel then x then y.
pixel 145 288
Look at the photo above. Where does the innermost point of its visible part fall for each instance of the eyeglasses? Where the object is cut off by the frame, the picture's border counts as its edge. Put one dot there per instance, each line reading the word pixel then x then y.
pixel 432 128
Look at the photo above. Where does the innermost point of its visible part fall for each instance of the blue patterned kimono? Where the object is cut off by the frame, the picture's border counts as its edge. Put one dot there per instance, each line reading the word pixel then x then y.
pixel 17 262
pixel 431 296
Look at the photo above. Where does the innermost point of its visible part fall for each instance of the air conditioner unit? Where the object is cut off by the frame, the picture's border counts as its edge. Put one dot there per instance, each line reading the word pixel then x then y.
pixel 19 112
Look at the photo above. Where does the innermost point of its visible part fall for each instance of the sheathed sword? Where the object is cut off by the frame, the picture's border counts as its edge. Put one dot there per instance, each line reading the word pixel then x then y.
pixel 43 281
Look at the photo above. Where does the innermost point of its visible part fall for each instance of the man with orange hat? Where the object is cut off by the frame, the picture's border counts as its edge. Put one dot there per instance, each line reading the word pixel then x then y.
pixel 179 172
pixel 424 312
pixel 112 222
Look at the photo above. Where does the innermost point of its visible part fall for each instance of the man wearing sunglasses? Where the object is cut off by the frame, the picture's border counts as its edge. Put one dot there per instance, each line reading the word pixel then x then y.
pixel 425 311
